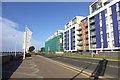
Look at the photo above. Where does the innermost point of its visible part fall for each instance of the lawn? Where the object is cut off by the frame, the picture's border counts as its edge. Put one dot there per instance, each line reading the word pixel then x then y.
pixel 86 56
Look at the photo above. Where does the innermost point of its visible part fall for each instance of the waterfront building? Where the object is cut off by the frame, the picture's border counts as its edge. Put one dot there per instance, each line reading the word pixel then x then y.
pixel 55 42
pixel 83 35
pixel 70 38
pixel 104 25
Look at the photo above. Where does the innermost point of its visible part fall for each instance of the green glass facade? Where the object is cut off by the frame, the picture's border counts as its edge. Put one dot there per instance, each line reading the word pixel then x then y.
pixel 54 44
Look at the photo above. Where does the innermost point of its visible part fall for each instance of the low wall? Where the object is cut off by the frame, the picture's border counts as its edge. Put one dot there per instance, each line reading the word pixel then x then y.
pixel 7 58
pixel 108 54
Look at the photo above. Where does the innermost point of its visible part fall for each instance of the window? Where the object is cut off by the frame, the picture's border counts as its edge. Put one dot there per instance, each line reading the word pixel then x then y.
pixel 106 11
pixel 101 36
pixel 107 35
pixel 111 26
pixel 117 7
pixel 108 44
pixel 118 15
pixel 113 42
pixel 110 10
pixel 112 34
pixel 74 21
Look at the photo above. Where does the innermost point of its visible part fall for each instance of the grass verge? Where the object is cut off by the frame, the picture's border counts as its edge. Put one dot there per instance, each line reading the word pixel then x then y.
pixel 86 56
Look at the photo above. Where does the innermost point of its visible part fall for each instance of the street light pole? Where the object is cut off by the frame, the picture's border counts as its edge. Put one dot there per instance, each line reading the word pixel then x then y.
pixel 25 34
pixel 15 48
pixel 15 43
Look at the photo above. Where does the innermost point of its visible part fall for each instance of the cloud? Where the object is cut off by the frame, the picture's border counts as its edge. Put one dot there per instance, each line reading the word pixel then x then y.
pixel 11 36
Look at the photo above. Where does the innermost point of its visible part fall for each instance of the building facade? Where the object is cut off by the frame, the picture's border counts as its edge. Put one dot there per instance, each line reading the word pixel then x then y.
pixel 83 41
pixel 70 38
pixel 55 42
pixel 104 25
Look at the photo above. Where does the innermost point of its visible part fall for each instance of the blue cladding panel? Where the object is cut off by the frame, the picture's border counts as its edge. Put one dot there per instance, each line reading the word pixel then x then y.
pixel 71 39
pixel 66 41
pixel 97 29
pixel 115 26
pixel 105 43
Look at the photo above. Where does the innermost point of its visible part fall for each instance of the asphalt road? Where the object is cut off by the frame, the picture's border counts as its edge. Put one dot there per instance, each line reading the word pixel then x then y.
pixel 111 71
pixel 39 67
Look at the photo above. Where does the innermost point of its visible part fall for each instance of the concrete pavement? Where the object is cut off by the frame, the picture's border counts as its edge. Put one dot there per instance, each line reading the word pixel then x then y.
pixel 39 67
pixel 112 69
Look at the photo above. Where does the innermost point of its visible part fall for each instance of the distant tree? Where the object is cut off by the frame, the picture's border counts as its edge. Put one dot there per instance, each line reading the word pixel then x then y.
pixel 42 49
pixel 31 48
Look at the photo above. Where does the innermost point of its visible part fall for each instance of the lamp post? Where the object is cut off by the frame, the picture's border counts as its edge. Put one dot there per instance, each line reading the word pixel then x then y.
pixel 24 45
pixel 15 42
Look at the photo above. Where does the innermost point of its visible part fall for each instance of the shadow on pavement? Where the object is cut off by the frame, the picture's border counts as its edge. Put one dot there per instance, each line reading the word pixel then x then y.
pixel 81 71
pixel 100 69
pixel 9 68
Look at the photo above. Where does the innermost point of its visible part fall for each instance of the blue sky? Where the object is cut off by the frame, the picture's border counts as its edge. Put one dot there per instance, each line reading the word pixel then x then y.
pixel 43 18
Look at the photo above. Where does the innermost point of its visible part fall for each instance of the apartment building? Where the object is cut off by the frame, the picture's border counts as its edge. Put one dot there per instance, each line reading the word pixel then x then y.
pixel 104 25
pixel 83 41
pixel 70 38
pixel 55 42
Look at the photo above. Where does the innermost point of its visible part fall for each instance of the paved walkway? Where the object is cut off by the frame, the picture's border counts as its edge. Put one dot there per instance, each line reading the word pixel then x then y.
pixel 38 67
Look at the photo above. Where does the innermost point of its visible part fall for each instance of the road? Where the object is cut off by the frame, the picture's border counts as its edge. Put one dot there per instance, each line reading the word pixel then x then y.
pixel 112 69
pixel 39 67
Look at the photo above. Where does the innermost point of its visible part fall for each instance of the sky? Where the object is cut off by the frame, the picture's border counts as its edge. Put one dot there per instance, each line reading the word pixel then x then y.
pixel 42 18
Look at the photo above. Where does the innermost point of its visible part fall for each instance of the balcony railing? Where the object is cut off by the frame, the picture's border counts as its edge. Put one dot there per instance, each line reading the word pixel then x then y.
pixel 92 34
pixel 73 30
pixel 79 29
pixel 87 42
pixel 86 37
pixel 92 21
pixel 79 39
pixel 73 34
pixel 119 27
pixel 80 33
pixel 79 48
pixel 79 44
pixel 92 28
pixel 86 30
pixel 94 41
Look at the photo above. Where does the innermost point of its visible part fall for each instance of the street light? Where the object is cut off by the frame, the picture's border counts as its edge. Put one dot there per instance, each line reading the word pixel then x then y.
pixel 15 43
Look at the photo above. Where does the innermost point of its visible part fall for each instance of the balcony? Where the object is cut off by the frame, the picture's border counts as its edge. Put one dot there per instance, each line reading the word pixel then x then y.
pixel 118 18
pixel 64 35
pixel 80 33
pixel 79 39
pixel 119 27
pixel 92 28
pixel 87 42
pixel 86 25
pixel 73 45
pixel 86 37
pixel 92 21
pixel 73 39
pixel 79 44
pixel 86 31
pixel 87 47
pixel 93 41
pixel 79 29
pixel 73 30
pixel 93 34
pixel 79 48
pixel 73 35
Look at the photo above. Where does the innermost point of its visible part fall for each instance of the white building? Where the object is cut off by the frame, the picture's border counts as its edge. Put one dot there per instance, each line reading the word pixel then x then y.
pixel 70 37
pixel 104 25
